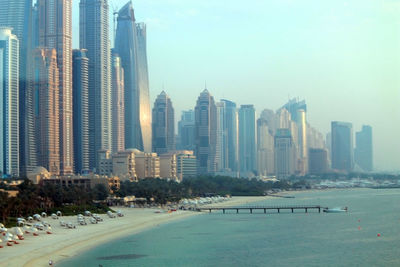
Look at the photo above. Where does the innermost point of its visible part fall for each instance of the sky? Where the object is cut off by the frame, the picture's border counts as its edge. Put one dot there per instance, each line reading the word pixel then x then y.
pixel 342 57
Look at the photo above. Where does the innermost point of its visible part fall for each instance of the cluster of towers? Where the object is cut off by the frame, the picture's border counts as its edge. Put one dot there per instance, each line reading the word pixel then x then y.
pixel 60 106
pixel 231 140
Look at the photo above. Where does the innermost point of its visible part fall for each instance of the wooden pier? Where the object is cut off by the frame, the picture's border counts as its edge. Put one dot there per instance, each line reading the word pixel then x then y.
pixel 306 208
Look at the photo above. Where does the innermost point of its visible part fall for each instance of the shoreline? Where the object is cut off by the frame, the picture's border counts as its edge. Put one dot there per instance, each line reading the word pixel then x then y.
pixel 65 243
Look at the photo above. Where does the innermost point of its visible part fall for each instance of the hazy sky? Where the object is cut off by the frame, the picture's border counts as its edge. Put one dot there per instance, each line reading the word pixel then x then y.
pixel 342 57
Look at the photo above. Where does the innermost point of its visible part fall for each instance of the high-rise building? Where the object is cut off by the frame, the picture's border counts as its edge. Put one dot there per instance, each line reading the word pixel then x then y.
pixel 143 87
pixel 81 110
pixel 186 131
pixel 363 154
pixel 118 104
pixel 342 146
pixel 265 148
pixel 17 15
pixel 247 140
pixel 231 136
pixel 46 103
pixel 318 161
pixel 163 125
pixel 55 31
pixel 9 103
pixel 93 36
pixel 186 164
pixel 285 156
pixel 206 133
pixel 302 141
pixel 293 106
pixel 221 138
pixel 130 44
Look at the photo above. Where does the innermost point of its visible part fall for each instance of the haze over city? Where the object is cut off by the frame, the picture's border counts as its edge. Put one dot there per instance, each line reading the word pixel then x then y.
pixel 342 57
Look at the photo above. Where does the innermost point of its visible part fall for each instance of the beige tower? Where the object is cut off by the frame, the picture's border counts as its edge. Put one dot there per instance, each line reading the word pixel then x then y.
pixel 46 84
pixel 55 32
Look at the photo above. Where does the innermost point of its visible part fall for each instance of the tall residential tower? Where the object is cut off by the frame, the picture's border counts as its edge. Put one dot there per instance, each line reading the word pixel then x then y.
pixel 55 31
pixel 163 124
pixel 93 36
pixel 9 93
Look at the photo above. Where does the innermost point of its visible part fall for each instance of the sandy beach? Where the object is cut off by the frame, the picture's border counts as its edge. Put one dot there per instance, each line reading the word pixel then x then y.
pixel 65 243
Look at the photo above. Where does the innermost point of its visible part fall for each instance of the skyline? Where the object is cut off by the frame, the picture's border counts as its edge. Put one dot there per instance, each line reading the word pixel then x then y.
pixel 304 50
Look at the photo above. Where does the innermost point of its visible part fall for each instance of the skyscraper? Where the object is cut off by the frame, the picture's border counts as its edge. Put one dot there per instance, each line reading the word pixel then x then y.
pixel 265 148
pixel 130 44
pixel 231 135
pixel 81 110
pixel 163 124
pixel 284 154
pixel 205 133
pixel 221 137
pixel 93 36
pixel 363 152
pixel 55 31
pixel 342 146
pixel 186 131
pixel 17 15
pixel 302 141
pixel 318 161
pixel 143 87
pixel 247 140
pixel 46 103
pixel 118 104
pixel 9 103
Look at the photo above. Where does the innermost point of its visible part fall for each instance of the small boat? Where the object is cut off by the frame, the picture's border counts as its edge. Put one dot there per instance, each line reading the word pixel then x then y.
pixel 335 210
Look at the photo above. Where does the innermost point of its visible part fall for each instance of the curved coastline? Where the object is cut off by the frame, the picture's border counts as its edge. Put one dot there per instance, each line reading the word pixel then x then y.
pixel 66 243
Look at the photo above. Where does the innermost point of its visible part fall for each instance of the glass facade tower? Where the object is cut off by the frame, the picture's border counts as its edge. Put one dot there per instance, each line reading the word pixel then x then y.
pixel 130 44
pixel 94 36
pixel 9 103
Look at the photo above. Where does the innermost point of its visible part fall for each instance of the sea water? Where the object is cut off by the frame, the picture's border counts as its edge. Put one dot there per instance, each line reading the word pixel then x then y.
pixel 367 235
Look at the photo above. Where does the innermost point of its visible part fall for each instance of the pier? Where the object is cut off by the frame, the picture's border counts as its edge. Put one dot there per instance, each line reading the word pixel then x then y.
pixel 306 208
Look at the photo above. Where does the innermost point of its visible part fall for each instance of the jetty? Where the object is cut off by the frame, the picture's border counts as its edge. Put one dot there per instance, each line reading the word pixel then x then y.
pixel 278 209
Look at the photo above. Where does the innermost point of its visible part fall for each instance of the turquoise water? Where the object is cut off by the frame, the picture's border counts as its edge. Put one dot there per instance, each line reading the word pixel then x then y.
pixel 300 239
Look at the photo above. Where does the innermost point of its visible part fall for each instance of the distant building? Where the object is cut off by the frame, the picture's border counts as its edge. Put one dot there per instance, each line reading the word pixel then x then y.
pixel 186 131
pixel 118 104
pixel 168 166
pixel 206 133
pixel 342 146
pixel 9 104
pixel 221 138
pixel 231 136
pixel 284 154
pixel 318 161
pixel 186 165
pixel 47 116
pixel 247 140
pixel 80 71
pixel 265 149
pixel 363 152
pixel 163 125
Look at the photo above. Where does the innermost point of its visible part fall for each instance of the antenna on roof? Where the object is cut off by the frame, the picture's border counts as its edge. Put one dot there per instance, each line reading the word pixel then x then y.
pixel 205 84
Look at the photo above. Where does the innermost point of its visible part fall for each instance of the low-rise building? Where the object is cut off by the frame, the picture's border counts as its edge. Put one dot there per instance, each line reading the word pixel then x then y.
pixel 147 164
pixel 168 166
pixel 186 164
pixel 123 165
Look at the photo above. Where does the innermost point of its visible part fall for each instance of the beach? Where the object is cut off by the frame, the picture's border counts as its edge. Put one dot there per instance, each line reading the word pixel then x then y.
pixel 65 243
